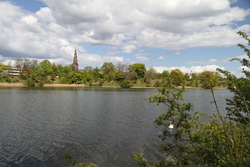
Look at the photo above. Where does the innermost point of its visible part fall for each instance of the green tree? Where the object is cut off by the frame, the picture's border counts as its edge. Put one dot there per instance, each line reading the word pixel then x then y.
pixel 126 84
pixel 151 73
pixel 108 71
pixel 218 76
pixel 63 71
pixel 42 72
pixel 176 77
pixel 119 76
pixel 207 78
pixel 132 75
pixel 186 77
pixel 96 73
pixel 2 67
pixel 86 76
pixel 239 106
pixel 45 68
pixel 55 70
pixel 30 82
pixel 74 77
pixel 220 141
pixel 139 69
pixel 64 80
pixel 194 79
pixel 178 116
pixel 164 74
pixel 192 142
pixel 3 73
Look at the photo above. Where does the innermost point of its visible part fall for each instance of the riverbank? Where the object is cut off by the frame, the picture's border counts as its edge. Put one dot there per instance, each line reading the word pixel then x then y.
pixel 82 85
pixel 12 85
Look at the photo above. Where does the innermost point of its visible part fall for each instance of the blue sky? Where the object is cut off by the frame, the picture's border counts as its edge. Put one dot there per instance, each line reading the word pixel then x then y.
pixel 194 35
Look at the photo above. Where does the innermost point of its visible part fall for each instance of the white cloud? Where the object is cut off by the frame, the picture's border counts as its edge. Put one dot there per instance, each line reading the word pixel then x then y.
pixel 94 59
pixel 26 35
pixel 9 13
pixel 233 1
pixel 141 54
pixel 193 69
pixel 239 57
pixel 162 58
pixel 213 37
pixel 113 59
pixel 242 57
pixel 50 32
pixel 212 60
pixel 165 24
pixel 239 71
pixel 45 15
pixel 142 57
pixel 245 68
pixel 129 48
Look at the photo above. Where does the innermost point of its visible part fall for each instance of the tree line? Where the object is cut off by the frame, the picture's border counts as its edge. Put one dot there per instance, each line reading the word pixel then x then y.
pixel 32 73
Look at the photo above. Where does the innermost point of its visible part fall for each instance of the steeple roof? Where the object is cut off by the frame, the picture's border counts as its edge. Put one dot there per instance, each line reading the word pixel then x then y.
pixel 75 61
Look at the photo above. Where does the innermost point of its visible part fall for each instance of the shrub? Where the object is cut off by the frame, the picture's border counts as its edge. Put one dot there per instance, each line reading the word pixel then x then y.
pixel 101 82
pixel 30 82
pixel 63 80
pixel 126 84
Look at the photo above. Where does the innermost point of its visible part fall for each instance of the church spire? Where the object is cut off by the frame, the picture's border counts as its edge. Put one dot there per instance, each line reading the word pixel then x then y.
pixel 75 61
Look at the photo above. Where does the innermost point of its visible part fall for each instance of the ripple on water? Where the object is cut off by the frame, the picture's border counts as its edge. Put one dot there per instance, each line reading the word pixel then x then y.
pixel 105 127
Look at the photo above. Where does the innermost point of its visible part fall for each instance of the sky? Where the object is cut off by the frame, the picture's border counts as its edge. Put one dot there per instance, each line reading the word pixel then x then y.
pixel 191 35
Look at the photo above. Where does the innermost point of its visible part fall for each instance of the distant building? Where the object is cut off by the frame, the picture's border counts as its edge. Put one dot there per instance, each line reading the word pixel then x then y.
pixel 14 71
pixel 75 62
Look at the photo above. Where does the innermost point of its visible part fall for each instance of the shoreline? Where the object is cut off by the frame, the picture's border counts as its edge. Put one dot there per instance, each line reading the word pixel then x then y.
pixel 82 85
pixel 12 85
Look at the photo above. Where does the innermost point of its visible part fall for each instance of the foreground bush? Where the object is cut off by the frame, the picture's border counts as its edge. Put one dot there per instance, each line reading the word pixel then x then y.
pixel 221 141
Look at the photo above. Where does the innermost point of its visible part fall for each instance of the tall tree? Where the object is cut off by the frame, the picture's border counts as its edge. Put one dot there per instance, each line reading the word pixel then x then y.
pixel 45 68
pixel 55 70
pixel 108 71
pixel 239 105
pixel 25 63
pixel 86 75
pixel 176 77
pixel 139 69
pixel 208 80
pixel 96 73
pixel 63 70
pixel 122 67
pixel 151 73
pixel 164 74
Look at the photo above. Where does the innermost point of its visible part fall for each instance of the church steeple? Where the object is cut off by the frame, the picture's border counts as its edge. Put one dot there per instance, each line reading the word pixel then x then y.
pixel 75 61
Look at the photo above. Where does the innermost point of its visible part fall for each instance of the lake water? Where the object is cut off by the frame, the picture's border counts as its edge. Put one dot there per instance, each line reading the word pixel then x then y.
pixel 105 126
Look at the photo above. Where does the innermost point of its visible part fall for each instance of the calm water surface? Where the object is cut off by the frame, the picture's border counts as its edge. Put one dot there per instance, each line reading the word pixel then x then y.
pixel 100 125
